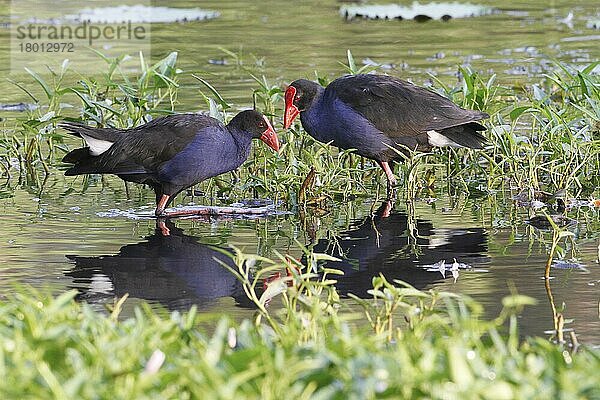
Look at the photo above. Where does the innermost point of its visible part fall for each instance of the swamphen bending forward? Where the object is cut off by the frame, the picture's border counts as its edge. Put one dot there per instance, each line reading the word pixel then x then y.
pixel 376 113
pixel 169 153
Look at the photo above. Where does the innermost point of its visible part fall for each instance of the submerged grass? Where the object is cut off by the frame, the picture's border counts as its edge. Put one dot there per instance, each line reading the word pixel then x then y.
pixel 418 345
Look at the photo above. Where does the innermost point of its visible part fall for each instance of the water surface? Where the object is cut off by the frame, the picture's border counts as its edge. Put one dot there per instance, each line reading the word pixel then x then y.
pixel 54 237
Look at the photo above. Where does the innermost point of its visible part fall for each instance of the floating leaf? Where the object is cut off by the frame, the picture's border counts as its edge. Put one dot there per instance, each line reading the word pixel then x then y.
pixel 140 14
pixel 593 24
pixel 416 11
pixel 562 264
pixel 20 107
pixel 454 269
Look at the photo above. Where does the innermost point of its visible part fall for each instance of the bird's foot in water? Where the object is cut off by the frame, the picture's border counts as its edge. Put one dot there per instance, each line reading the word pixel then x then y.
pixel 391 180
pixel 391 190
pixel 162 226
pixel 392 194
pixel 387 208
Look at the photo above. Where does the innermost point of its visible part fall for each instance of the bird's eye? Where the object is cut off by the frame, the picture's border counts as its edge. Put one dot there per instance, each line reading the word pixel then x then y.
pixel 261 124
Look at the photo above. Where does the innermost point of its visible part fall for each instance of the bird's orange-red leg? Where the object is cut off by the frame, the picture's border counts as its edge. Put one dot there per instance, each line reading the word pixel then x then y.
pixel 391 179
pixel 164 229
pixel 162 203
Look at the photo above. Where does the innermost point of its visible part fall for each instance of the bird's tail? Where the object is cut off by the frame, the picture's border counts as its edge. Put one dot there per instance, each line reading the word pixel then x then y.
pixel 80 130
pixel 466 135
pixel 98 141
pixel 84 162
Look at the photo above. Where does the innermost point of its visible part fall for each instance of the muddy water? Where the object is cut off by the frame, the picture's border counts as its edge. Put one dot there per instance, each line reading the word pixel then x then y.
pixel 59 235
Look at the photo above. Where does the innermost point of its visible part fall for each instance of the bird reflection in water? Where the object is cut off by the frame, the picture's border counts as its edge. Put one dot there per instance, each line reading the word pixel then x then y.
pixel 178 271
pixel 175 270
pixel 397 246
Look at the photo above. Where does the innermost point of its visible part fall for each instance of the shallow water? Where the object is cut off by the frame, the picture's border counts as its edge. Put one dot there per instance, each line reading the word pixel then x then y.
pixel 54 236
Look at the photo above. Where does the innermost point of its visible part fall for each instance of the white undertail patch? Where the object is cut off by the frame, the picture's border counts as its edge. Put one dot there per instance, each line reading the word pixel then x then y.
pixel 437 139
pixel 97 146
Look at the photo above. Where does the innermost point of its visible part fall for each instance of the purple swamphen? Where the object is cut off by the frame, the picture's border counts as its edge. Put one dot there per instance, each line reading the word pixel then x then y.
pixel 376 114
pixel 169 153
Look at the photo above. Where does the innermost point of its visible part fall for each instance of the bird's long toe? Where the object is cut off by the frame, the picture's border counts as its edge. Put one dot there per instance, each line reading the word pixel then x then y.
pixel 391 193
pixel 162 226
pixel 391 187
pixel 387 208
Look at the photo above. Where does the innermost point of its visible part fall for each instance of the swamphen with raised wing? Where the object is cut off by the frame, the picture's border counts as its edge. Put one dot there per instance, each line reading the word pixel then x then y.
pixel 169 153
pixel 376 113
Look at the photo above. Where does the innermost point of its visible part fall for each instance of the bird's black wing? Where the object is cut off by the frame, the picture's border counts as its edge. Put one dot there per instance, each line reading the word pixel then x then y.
pixel 144 148
pixel 398 108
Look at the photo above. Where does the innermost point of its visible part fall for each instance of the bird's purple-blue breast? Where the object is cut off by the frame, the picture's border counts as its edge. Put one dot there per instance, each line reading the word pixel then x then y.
pixel 332 120
pixel 212 152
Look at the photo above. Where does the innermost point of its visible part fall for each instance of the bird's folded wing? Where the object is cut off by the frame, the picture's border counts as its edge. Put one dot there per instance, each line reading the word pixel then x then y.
pixel 399 108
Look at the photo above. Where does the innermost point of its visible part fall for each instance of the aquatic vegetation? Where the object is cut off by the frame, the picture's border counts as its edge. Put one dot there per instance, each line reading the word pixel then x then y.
pixel 561 150
pixel 417 344
pixel 543 137
pixel 112 99
pixel 416 11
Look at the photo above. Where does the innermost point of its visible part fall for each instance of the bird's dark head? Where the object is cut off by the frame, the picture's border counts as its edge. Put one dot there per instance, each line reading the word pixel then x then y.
pixel 298 97
pixel 257 125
